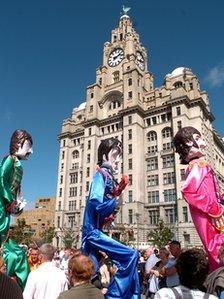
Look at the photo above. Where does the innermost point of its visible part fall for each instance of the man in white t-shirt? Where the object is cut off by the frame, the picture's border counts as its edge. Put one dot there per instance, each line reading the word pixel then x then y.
pixel 48 281
pixel 192 267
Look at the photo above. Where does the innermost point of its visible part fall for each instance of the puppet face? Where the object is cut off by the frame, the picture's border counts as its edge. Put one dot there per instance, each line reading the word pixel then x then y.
pixel 24 151
pixel 114 158
pixel 196 152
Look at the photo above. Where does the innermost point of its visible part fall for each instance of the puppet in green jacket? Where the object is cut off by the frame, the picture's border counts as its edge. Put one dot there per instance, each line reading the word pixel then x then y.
pixel 11 172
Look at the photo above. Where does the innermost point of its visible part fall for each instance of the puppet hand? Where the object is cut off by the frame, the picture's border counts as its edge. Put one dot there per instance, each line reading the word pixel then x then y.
pixel 121 186
pixel 218 223
pixel 18 207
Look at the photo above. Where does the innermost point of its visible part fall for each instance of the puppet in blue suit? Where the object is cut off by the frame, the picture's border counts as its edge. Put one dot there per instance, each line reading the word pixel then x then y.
pixel 103 202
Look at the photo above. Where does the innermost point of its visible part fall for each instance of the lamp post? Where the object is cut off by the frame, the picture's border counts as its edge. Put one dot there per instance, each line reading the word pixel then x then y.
pixel 137 218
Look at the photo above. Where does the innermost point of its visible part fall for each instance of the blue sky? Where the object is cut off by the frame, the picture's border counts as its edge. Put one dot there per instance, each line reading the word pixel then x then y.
pixel 49 51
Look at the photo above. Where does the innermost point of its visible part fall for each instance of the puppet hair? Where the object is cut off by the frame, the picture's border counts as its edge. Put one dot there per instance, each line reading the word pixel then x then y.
pixel 180 140
pixel 18 138
pixel 106 146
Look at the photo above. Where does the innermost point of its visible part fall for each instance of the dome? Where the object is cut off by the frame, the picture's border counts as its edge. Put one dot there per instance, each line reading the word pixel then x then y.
pixel 81 106
pixel 177 72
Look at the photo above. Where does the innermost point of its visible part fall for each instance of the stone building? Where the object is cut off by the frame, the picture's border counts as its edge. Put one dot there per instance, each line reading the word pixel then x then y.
pixel 42 216
pixel 123 103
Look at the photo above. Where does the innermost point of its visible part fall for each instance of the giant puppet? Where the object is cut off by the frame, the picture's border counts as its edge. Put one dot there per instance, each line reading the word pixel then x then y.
pixel 201 191
pixel 12 203
pixel 103 202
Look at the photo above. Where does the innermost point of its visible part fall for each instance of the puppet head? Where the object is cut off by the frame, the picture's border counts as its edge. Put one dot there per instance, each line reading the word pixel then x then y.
pixel 109 152
pixel 189 144
pixel 21 144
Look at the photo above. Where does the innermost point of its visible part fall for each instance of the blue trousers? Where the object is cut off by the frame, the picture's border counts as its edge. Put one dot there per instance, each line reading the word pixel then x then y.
pixel 125 283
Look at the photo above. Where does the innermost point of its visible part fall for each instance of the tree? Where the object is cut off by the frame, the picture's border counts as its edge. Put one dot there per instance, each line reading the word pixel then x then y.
pixel 69 238
pixel 160 235
pixel 21 232
pixel 48 234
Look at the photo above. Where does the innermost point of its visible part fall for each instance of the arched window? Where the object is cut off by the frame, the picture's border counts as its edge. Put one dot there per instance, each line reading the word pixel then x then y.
pixel 75 154
pixel 114 104
pixel 116 76
pixel 167 132
pixel 178 84
pixel 152 136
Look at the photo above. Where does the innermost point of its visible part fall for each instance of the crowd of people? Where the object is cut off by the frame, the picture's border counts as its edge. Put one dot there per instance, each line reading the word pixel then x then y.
pixel 167 272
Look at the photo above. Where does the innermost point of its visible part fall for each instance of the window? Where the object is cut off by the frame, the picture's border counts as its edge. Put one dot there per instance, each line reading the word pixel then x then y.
pixel 75 154
pixel 185 214
pixel 152 136
pixel 153 196
pixel 153 217
pixel 62 155
pixel 80 190
pixel 61 179
pixel 167 146
pixel 74 178
pixel 152 164
pixel 170 215
pixel 168 161
pixel 167 132
pixel 87 186
pixel 63 142
pixel 71 191
pixel 88 158
pixel 60 192
pixel 191 86
pixel 58 221
pixel 152 149
pixel 130 134
pixel 87 171
pixel 89 144
pixel 130 216
pixel 153 180
pixel 182 174
pixel 130 179
pixel 154 122
pixel 187 238
pixel 116 76
pixel 129 81
pixel 100 81
pixel 168 178
pixel 178 84
pixel 130 149
pixel 72 205
pixel 169 195
pixel 129 119
pixel 129 163
pixel 130 196
pixel 91 108
pixel 90 131
pixel 179 125
pixel 130 95
pixel 62 166
pixel 71 221
pixel 91 95
pixel 178 110
pixel 59 206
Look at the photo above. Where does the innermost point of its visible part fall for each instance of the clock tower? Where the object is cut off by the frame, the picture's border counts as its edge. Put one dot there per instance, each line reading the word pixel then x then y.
pixel 123 103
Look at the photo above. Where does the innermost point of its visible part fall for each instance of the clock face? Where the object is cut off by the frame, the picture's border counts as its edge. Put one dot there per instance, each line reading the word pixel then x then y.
pixel 140 61
pixel 115 57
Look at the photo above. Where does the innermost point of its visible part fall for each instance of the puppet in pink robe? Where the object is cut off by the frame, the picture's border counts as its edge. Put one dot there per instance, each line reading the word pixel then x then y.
pixel 201 191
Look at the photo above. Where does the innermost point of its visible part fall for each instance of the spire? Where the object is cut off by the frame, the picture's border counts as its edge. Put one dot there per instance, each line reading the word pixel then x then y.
pixel 124 11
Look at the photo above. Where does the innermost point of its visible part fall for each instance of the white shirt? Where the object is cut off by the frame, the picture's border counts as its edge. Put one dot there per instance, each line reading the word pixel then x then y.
pixel 151 261
pixel 167 293
pixel 46 282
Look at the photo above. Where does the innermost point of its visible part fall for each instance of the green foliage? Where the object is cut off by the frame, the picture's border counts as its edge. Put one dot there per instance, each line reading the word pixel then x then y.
pixel 48 234
pixel 68 238
pixel 160 235
pixel 21 233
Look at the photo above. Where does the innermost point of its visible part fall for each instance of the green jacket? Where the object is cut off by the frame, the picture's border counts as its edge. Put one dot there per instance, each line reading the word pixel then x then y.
pixel 82 291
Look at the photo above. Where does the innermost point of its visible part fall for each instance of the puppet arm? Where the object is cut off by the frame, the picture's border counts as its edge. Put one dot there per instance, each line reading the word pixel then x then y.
pixel 198 190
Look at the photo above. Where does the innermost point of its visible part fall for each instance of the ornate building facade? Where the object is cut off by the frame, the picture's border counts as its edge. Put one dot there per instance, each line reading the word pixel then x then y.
pixel 124 103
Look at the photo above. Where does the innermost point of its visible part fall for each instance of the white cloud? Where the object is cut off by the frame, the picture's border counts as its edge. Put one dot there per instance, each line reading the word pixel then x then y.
pixel 215 77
